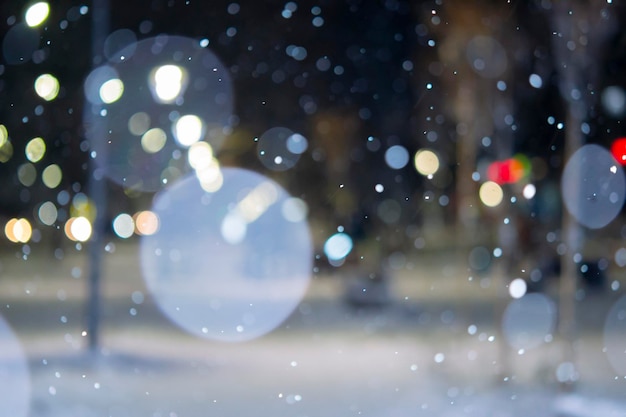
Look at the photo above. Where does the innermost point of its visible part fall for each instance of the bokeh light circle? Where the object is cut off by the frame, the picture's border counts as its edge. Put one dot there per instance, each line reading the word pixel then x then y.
pixel 35 149
pixel 615 336
pixel 338 246
pixel 120 40
pixel 47 87
pixel 37 13
pixel 168 88
pixel 593 186
pixel 397 157
pixel 279 149
pixel 486 56
pixel 528 321
pixel 19 44
pixel 517 288
pixel 124 225
pixel 491 194
pixel 227 265
pixel 15 384
pixel 426 162
pixel 614 100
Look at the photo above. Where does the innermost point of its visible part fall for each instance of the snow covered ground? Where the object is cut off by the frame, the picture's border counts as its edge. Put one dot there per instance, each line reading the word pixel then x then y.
pixel 436 350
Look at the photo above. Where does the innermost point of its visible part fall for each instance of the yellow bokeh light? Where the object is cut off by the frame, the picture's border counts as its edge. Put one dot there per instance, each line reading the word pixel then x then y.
pixel 210 177
pixel 146 223
pixel 4 135
pixel 124 226
pixel 6 151
pixel 27 174
pixel 47 87
pixel 37 14
pixel 426 162
pixel 48 213
pixel 257 201
pixel 82 206
pixel 153 140
pixel 188 130
pixel 200 155
pixel 111 90
pixel 35 149
pixel 167 82
pixel 52 176
pixel 491 194
pixel 139 123
pixel 18 230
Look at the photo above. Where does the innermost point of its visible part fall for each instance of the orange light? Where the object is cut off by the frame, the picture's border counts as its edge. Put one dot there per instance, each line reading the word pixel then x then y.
pixel 146 223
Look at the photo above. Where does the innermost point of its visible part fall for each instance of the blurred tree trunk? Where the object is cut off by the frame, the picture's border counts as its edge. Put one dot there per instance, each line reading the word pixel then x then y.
pixel 97 190
pixel 473 50
pixel 580 30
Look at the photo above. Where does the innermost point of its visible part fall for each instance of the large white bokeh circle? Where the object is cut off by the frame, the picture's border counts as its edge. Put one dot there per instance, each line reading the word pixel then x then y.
pixel 15 385
pixel 227 265
pixel 528 320
pixel 593 186
pixel 151 101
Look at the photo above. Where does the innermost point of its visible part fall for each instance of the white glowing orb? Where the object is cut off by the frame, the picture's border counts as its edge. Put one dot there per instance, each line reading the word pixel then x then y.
pixel 226 265
pixel 529 191
pixel 210 177
pixel 200 155
pixel 124 225
pixel 338 246
pixel 167 82
pixel 234 228
pixel 37 14
pixel 47 87
pixel 95 80
pixel 517 288
pixel 188 130
pixel 81 229
pixel 111 90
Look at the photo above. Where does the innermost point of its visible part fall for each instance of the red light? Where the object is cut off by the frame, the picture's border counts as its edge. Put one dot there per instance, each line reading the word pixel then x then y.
pixel 506 172
pixel 618 149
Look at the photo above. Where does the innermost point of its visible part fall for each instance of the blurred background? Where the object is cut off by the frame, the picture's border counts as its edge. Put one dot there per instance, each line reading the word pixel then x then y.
pixel 299 208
